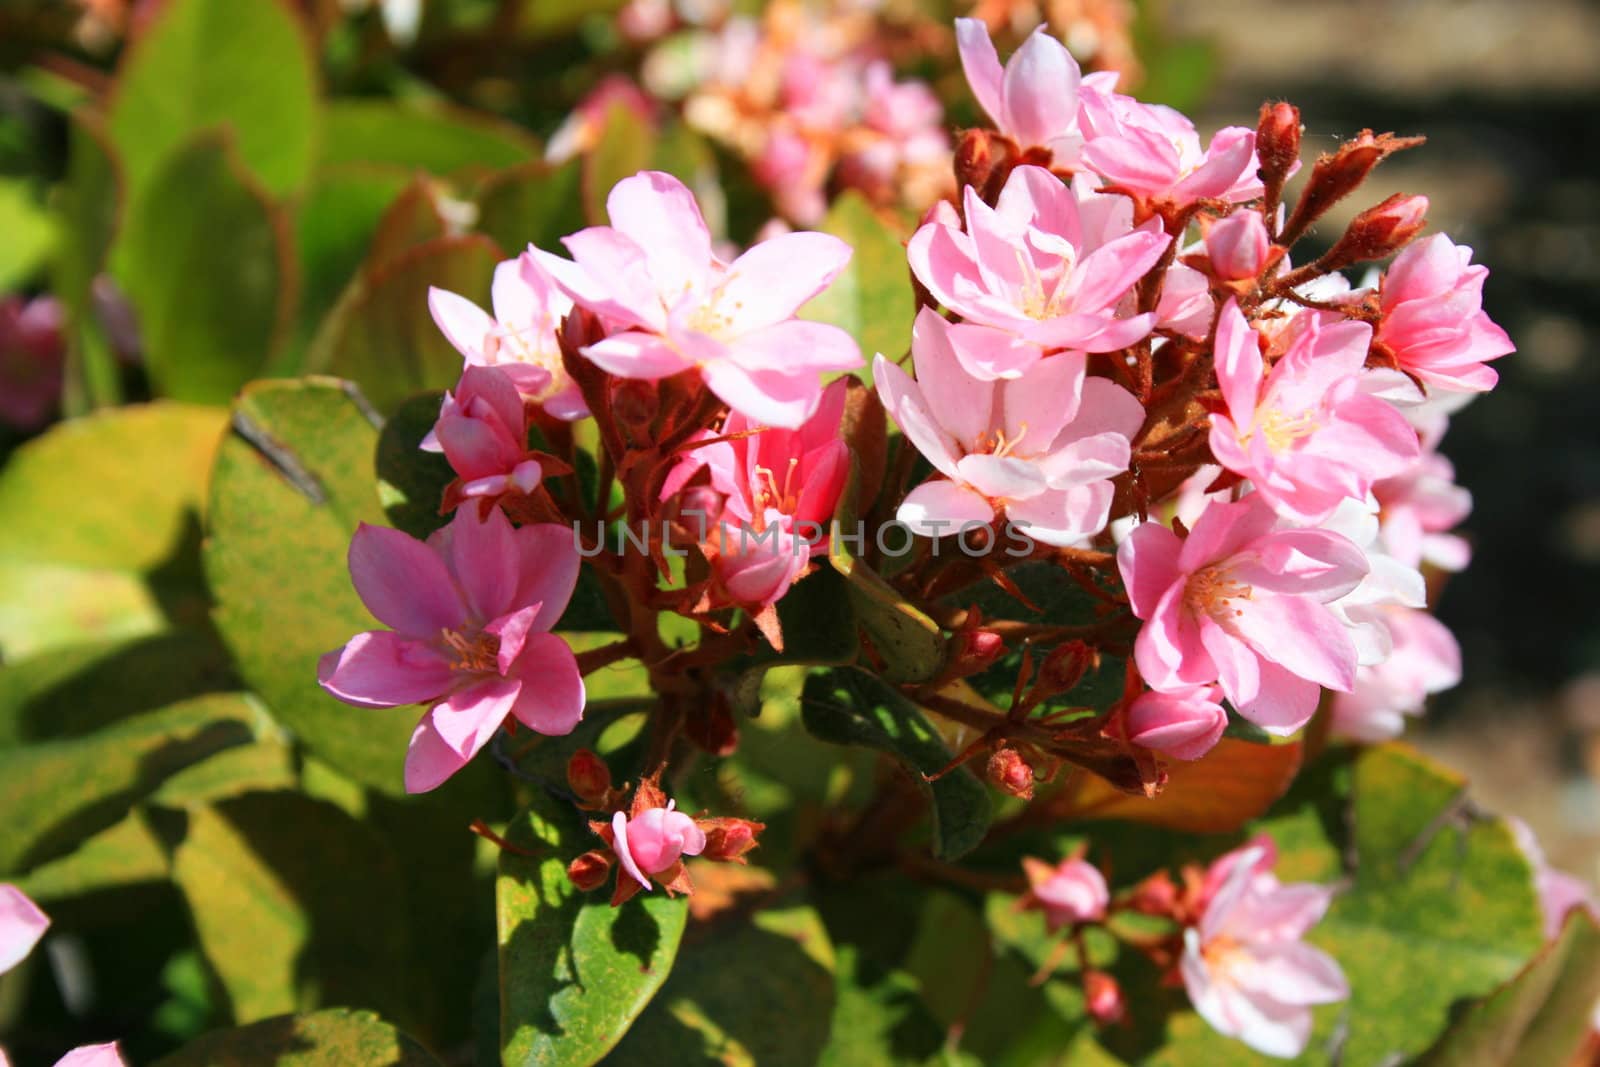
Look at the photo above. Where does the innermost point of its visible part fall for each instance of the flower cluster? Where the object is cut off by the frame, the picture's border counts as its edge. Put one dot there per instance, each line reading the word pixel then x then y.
pixel 808 98
pixel 1119 363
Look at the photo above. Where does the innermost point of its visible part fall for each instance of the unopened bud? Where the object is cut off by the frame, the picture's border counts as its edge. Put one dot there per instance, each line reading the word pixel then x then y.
pixel 1103 997
pixel 1063 669
pixel 1277 144
pixel 590 870
pixel 975 159
pixel 633 406
pixel 1010 772
pixel 712 727
pixel 1237 246
pixel 1156 895
pixel 728 839
pixel 1379 231
pixel 1336 176
pixel 589 778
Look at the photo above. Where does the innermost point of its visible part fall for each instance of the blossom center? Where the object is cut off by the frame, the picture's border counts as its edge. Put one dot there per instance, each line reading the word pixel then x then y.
pixel 481 652
pixel 1281 429
pixel 1212 592
pixel 771 493
pixel 1042 292
pixel 995 443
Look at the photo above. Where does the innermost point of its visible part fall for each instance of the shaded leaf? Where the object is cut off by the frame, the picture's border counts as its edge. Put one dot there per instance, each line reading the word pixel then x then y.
pixel 529 204
pixel 750 991
pixel 210 311
pixel 441 140
pixel 290 486
pixel 126 853
pixel 574 971
pixel 381 335
pixel 30 234
pixel 337 1037
pixel 198 64
pixel 878 1017
pixel 58 793
pixel 294 904
pixel 411 482
pixel 850 707
pixel 89 203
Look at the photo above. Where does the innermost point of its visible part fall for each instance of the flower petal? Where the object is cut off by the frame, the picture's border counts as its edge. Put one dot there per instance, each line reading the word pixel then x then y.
pixel 403 582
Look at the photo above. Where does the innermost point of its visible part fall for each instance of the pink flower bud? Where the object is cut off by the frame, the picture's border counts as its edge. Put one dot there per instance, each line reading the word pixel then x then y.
pixel 1008 770
pixel 1278 142
pixel 1103 997
pixel 1380 231
pixel 1237 246
pixel 1183 725
pixel 1073 891
pixel 589 778
pixel 654 840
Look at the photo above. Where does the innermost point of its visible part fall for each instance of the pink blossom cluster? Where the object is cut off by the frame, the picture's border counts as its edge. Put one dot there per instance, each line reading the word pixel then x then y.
pixel 807 97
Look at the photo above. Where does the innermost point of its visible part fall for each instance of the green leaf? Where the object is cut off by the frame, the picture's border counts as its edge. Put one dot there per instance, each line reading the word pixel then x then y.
pixel 211 309
pixel 529 204
pixel 752 991
pixel 574 971
pixel 381 335
pixel 878 1017
pixel 58 793
pixel 115 561
pixel 871 299
pixel 1540 1016
pixel 626 146
pixel 30 234
pixel 200 64
pixel 294 905
pixel 910 644
pixel 850 707
pixel 819 629
pixel 89 203
pixel 411 219
pixel 289 488
pixel 443 141
pixel 334 224
pixel 411 482
pixel 337 1037
pixel 126 853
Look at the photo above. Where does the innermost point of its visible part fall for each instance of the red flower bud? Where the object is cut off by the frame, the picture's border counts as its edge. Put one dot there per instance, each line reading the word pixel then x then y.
pixel 589 779
pixel 633 406
pixel 728 839
pixel 1063 669
pixel 1156 895
pixel 1103 997
pixel 1277 146
pixel 712 727
pixel 1379 231
pixel 590 870
pixel 1335 176
pixel 1008 770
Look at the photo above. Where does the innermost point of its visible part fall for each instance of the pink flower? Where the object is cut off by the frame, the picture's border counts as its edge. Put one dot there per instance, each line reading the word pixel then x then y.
pixel 1420 506
pixel 1153 152
pixel 22 924
pixel 1184 724
pixel 107 1055
pixel 1237 246
pixel 32 361
pixel 1030 266
pixel 1424 659
pixel 1559 892
pixel 1306 433
pixel 520 339
pixel 483 431
pixel 470 612
pixel 1433 319
pixel 676 307
pixel 1245 967
pixel 773 493
pixel 655 839
pixel 1041 448
pixel 1034 99
pixel 1074 891
pixel 1244 605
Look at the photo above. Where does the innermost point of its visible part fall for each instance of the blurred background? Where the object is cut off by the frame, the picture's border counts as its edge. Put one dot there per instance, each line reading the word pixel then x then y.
pixel 1507 92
